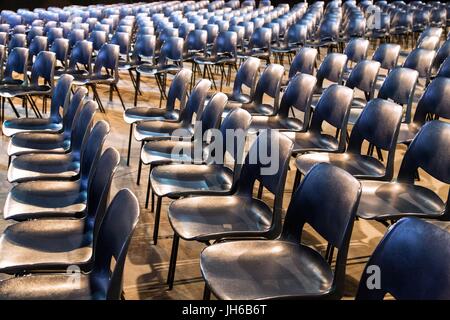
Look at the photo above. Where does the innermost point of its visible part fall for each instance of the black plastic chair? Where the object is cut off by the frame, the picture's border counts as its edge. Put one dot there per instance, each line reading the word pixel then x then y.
pixel 429 43
pixel 298 96
pixel 259 45
pixel 105 72
pixel 246 76
pixel 428 151
pixel 37 45
pixel 177 95
pixel 303 62
pixel 194 47
pixel 17 41
pixel 364 78
pixel 76 35
pixel 55 244
pixel 50 142
pixel 356 51
pixel 80 61
pixel 296 36
pixel 268 84
pixel 98 39
pixel 103 282
pixel 33 199
pixel 379 124
pixel 442 54
pixel 182 127
pixel 61 49
pixel 291 269
pixel 444 69
pixel 387 55
pixel 408 254
pixel 433 104
pixel 399 86
pixel 421 60
pixel 53 34
pixel 237 214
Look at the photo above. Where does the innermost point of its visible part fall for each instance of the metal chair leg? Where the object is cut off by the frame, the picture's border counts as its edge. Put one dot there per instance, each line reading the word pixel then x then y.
pixel 173 260
pixel 157 218
pixel 206 293
pixel 129 145
pixel 147 197
pixel 138 181
pixel 120 97
pixel 137 89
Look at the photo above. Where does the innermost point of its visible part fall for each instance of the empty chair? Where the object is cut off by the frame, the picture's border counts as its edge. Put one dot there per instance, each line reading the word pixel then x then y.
pixel 17 41
pixel 41 244
pixel 268 84
pixel 364 78
pixel 232 270
pixel 50 142
pixel 295 37
pixel 98 39
pixel 399 86
pixel 237 214
pixel 182 127
pixel 259 45
pixel 37 45
pixel 387 55
pixel 54 33
pixel 177 95
pixel 246 75
pixel 429 43
pixel 331 69
pixel 356 51
pixel 421 60
pixel 442 54
pixel 379 124
pixel 75 36
pixel 80 61
pixel 104 281
pixel 428 151
pixel 303 62
pixel 298 95
pixel 424 251
pixel 60 47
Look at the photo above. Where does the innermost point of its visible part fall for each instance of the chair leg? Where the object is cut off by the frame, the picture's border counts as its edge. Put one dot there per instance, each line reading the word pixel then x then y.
pixel 173 260
pixel 129 145
pixel 120 97
pixel 206 293
pixel 138 181
pixel 157 218
pixel 111 88
pixel 260 191
pixel 97 98
pixel 148 187
pixel 137 89
pixel 298 176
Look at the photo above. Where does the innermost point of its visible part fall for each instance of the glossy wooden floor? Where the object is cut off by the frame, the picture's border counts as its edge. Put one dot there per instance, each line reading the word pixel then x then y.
pixel 147 265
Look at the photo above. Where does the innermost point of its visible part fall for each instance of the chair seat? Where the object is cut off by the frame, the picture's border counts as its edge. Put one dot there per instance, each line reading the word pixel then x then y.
pixel 47 287
pixel 84 79
pixel 216 217
pixel 239 98
pixel 262 269
pixel 258 109
pixel 186 179
pixel 312 142
pixel 161 152
pixel 151 70
pixel 32 142
pixel 159 130
pixel 360 166
pixel 407 132
pixel 41 199
pixel 383 201
pixel 74 72
pixel 43 167
pixel 13 126
pixel 133 115
pixel 45 244
pixel 11 91
pixel 275 122
pixel 284 48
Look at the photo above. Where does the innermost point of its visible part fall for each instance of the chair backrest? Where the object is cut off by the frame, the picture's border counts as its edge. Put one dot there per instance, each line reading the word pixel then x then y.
pixel 444 69
pixel 430 151
pixel 114 237
pixel 332 68
pixel 249 28
pixel 102 171
pixel 297 34
pixel 185 29
pixel 270 83
pixel 414 259
pixel 17 41
pixel 327 200
pixel 356 49
pixel 98 39
pixel 172 49
pixel 178 90
pixel 37 45
pixel 196 40
pixel 333 107
pixel 3 38
pixel 195 102
pixel 73 109
pixel 61 48
pixel 399 86
pixel 420 60
pixel 17 62
pixel 267 161
pixel 81 55
pixel 91 150
pixel 379 124
pixel 298 95
pixel 44 67
pixel 108 58
pixel 144 47
pixel 60 97
pixel 429 43
pixel 240 33
pixel 261 39
pixel 303 62
pixel 364 77
pixel 247 75
pixel 82 125
pixel 122 39
pixel 387 54
pixel 442 54
pixel 226 43
pixel 75 36
pixel 213 32
pixel 435 101
pixel 2 59
pixel 211 115
pixel 54 33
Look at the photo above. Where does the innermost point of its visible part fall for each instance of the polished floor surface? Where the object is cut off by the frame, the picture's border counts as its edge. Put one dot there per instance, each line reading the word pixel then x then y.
pixel 147 265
